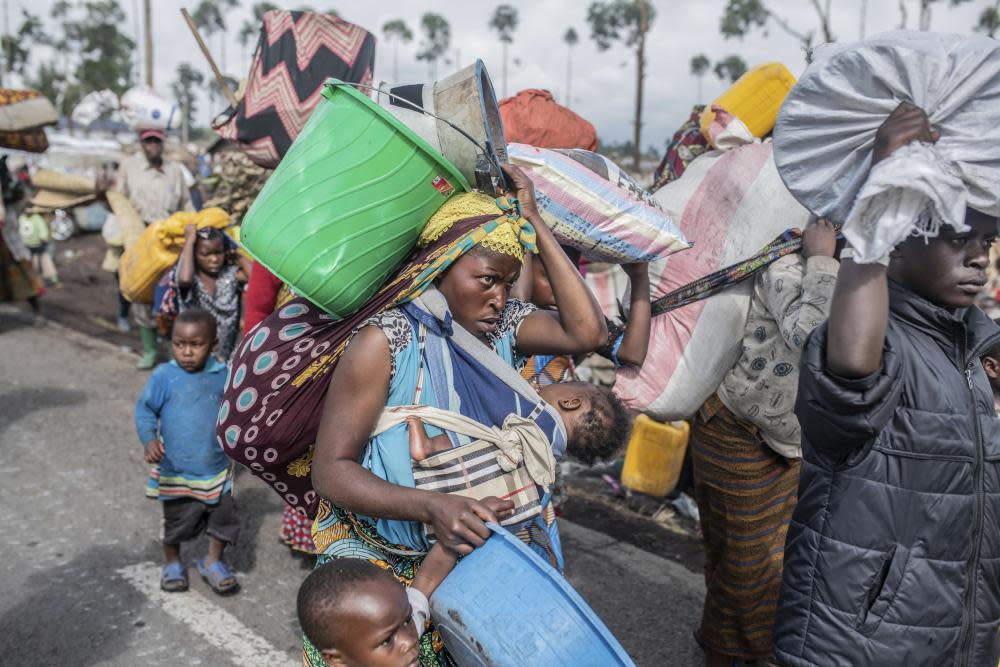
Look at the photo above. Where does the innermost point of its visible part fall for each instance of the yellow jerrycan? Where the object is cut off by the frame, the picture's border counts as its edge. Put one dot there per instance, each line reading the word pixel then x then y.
pixel 655 455
pixel 755 98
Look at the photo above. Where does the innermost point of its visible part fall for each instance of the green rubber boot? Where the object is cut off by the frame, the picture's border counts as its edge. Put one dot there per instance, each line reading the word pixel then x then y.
pixel 148 336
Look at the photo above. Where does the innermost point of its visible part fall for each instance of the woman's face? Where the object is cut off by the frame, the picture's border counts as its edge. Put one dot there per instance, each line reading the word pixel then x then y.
pixel 476 287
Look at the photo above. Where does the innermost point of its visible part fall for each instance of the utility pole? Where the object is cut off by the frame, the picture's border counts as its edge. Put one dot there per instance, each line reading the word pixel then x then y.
pixel 640 72
pixel 137 33
pixel 185 120
pixel 6 37
pixel 148 23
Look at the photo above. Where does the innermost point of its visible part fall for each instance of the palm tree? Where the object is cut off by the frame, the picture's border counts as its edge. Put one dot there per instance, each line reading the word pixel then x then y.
pixel 437 40
pixel 571 38
pixel 224 7
pixel 699 68
pixel 504 21
pixel 184 86
pixel 731 67
pixel 989 20
pixel 396 31
pixel 627 21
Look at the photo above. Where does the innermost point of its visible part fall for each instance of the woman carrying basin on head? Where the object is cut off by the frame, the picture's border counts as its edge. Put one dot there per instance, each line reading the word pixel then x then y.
pixel 418 354
pixel 452 340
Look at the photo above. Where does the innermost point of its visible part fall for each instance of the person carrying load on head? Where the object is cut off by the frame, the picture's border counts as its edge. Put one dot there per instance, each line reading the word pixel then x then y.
pixel 157 188
pixel 627 343
pixel 442 334
pixel 893 550
pixel 209 275
pixel 745 450
pixel 895 511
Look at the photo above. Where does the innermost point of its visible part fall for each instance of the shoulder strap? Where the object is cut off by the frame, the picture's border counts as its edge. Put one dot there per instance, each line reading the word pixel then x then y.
pixel 418 391
pixel 434 302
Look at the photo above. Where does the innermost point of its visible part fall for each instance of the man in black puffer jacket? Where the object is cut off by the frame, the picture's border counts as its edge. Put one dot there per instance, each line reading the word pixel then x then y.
pixel 893 554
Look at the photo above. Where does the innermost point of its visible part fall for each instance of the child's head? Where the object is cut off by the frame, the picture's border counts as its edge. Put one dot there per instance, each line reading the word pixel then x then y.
pixel 210 251
pixel 192 338
pixel 597 424
pixel 948 270
pixel 541 289
pixel 357 614
pixel 991 364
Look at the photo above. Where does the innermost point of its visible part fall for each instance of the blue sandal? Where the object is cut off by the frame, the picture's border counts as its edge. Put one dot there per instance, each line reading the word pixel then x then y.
pixel 218 577
pixel 173 578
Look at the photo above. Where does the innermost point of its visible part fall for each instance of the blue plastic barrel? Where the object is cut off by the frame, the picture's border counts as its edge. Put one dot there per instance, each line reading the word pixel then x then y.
pixel 503 606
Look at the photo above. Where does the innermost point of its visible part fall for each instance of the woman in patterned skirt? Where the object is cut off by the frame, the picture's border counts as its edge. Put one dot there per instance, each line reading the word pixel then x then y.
pixel 745 447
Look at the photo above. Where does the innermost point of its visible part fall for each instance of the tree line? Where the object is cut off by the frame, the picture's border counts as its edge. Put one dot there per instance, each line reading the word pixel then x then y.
pixel 92 52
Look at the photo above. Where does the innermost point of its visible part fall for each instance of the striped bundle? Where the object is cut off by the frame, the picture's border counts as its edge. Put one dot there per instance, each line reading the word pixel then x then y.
pixel 514 462
pixel 595 207
pixel 296 53
pixel 473 471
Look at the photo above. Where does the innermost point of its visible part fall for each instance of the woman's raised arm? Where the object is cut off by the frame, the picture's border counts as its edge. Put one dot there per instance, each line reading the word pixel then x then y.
pixel 579 325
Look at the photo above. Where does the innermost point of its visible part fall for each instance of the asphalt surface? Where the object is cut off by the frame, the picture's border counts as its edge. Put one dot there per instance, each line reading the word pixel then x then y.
pixel 79 553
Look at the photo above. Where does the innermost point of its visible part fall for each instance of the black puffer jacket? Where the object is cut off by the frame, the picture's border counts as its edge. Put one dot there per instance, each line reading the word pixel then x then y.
pixel 893 555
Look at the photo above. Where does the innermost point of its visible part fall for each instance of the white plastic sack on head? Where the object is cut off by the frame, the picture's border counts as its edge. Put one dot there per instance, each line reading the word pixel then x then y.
pixel 591 204
pixel 730 205
pixel 143 109
pixel 826 129
pixel 93 106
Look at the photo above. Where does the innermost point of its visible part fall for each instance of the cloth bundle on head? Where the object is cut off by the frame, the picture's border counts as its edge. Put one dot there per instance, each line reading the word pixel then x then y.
pixel 825 134
pixel 275 439
pixel 511 235
pixel 687 144
pixel 297 51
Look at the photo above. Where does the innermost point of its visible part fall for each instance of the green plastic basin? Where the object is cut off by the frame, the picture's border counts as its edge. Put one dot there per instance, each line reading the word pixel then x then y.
pixel 345 205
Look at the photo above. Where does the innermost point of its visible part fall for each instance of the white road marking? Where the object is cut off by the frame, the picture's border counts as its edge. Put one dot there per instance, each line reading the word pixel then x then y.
pixel 216 625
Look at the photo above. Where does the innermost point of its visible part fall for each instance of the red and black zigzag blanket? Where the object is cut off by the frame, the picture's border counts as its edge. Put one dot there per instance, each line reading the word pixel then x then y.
pixel 296 53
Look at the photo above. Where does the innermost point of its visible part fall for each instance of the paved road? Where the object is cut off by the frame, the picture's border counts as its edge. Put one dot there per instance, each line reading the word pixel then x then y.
pixel 79 552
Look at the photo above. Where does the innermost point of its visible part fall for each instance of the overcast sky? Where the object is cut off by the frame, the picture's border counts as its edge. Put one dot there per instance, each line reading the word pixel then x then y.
pixel 603 82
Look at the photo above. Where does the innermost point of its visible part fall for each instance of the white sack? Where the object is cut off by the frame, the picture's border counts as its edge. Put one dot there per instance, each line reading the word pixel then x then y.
pixel 730 205
pixel 144 109
pixel 93 106
pixel 826 129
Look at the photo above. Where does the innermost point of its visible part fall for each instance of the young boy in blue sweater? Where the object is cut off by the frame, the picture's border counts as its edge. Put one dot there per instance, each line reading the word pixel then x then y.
pixel 175 418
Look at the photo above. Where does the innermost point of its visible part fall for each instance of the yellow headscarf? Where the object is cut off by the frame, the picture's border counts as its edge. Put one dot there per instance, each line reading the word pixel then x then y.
pixel 513 234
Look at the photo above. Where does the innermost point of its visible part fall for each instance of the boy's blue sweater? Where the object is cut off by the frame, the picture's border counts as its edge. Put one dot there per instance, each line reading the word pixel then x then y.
pixel 183 409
